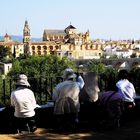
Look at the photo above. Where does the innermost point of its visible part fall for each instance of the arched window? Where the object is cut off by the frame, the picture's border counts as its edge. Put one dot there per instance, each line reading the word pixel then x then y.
pixel 45 47
pixel 51 47
pixel 33 47
pixel 45 52
pixel 56 47
pixel 39 52
pixel 39 47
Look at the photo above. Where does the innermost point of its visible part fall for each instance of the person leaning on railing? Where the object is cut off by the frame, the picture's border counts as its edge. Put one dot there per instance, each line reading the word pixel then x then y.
pixel 24 103
pixel 66 98
pixel 126 88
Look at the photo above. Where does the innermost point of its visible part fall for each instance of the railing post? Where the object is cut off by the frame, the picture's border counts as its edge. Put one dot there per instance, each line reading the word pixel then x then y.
pixel 40 87
pixel 4 96
pixel 10 86
pixel 51 81
pixel 46 88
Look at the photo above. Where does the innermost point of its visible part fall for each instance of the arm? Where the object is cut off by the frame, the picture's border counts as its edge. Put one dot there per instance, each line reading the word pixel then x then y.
pixel 80 82
pixel 55 95
pixel 12 100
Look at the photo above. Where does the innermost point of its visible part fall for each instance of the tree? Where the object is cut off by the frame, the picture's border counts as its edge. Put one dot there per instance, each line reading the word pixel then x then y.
pixel 133 55
pixel 97 67
pixel 4 51
pixel 41 66
pixel 42 72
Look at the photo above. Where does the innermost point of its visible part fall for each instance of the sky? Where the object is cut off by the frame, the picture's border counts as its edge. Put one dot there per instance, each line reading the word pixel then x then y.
pixel 105 19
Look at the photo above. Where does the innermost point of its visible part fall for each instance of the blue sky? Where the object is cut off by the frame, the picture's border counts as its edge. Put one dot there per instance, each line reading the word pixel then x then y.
pixel 105 19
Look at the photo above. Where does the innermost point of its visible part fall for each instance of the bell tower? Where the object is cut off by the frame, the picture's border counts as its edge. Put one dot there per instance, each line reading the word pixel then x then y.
pixel 26 38
pixel 26 33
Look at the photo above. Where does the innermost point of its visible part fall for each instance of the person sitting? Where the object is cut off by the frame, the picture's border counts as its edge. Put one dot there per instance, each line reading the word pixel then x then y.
pixel 66 97
pixel 24 103
pixel 111 108
pixel 126 88
pixel 89 99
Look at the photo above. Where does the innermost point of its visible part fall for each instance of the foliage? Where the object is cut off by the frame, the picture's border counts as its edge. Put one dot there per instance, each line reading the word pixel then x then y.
pixel 96 67
pixel 133 55
pixel 4 51
pixel 42 72
pixel 43 66
pixel 135 78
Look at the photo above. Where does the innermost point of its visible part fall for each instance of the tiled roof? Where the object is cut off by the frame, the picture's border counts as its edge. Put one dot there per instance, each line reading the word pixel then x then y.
pixel 10 43
pixel 54 32
pixel 70 27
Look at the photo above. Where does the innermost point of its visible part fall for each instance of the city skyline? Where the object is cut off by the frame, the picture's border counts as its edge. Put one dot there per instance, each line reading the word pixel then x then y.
pixel 104 19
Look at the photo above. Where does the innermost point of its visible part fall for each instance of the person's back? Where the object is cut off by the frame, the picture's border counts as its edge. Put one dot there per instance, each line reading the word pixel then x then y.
pixel 24 103
pixel 67 89
pixel 111 107
pixel 126 88
pixel 66 97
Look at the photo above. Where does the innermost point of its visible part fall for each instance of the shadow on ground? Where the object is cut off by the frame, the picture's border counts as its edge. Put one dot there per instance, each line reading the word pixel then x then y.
pixel 130 131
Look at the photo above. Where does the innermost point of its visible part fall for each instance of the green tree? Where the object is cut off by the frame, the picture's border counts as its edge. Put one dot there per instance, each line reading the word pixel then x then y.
pixel 41 66
pixel 133 55
pixel 42 71
pixel 97 67
pixel 4 51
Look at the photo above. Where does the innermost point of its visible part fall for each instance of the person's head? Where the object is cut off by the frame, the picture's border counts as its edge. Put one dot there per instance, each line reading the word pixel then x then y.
pixel 68 74
pixel 123 74
pixel 22 80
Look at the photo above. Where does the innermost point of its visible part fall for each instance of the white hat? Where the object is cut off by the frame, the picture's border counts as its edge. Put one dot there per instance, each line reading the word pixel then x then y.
pixel 23 80
pixel 68 74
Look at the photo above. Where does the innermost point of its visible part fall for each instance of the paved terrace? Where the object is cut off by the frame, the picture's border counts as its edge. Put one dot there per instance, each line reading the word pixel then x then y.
pixel 131 131
pixel 128 131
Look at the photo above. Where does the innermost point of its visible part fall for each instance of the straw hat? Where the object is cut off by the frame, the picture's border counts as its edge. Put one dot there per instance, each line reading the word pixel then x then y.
pixel 68 74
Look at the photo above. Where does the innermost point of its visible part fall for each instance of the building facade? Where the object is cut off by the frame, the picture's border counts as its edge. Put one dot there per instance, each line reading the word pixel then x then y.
pixel 70 43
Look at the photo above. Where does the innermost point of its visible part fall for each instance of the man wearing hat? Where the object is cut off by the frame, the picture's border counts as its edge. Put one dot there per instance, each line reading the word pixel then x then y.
pixel 66 97
pixel 23 100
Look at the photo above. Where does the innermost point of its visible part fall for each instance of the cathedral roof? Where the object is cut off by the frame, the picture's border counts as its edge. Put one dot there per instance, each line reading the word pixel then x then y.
pixel 54 32
pixel 70 27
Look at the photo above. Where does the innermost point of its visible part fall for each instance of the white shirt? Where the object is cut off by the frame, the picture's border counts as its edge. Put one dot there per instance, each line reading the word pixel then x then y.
pixel 70 89
pixel 24 102
pixel 127 89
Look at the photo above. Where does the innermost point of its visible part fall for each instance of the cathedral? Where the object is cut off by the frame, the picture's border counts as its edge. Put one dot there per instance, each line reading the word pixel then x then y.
pixel 67 42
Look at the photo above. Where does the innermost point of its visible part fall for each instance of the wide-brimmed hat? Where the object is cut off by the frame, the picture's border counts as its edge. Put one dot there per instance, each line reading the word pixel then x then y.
pixel 23 80
pixel 68 74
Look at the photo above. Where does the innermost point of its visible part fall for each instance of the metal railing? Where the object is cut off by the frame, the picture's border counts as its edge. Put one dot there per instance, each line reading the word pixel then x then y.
pixel 43 87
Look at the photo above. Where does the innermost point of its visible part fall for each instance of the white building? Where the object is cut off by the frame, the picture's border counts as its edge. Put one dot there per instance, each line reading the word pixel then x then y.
pixel 5 68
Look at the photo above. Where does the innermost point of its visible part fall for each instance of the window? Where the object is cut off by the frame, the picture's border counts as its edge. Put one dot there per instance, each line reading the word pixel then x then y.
pixel 39 52
pixel 39 47
pixel 45 52
pixel 33 47
pixel 45 47
pixel 51 47
pixel 56 47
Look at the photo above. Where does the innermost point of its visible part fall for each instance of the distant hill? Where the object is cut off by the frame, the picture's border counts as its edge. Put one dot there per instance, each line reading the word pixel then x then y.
pixel 20 38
